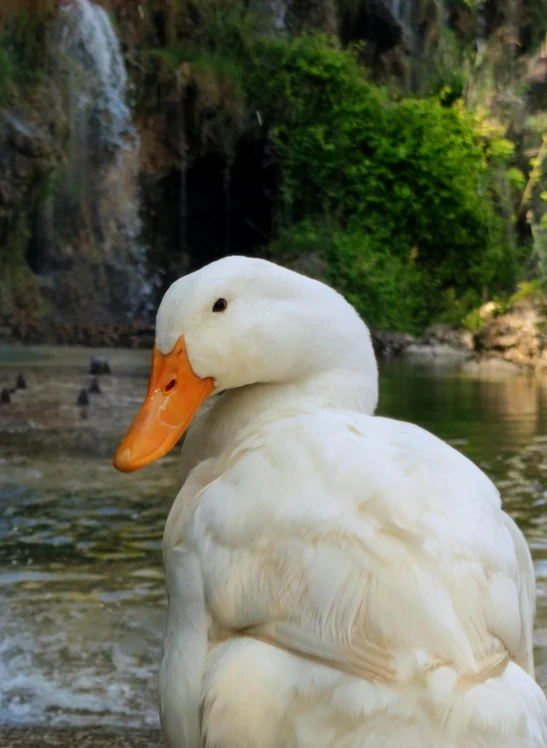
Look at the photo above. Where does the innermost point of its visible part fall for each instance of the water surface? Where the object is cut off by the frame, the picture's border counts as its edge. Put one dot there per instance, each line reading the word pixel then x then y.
pixel 81 593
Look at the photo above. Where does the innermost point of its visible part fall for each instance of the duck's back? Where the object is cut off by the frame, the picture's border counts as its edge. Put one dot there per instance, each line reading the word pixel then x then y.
pixel 363 589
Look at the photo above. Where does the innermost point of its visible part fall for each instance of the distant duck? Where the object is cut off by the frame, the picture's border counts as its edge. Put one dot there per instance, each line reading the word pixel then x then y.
pixel 20 384
pixel 83 398
pixel 94 388
pixel 99 365
pixel 5 397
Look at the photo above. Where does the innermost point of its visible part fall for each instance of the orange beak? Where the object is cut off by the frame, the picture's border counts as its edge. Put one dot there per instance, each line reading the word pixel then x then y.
pixel 173 397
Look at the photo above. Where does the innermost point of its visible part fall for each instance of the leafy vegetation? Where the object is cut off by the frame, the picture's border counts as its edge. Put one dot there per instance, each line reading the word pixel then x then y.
pixel 402 187
pixel 22 43
pixel 405 199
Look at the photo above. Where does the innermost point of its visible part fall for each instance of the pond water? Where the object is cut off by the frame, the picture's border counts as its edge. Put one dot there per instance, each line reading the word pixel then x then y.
pixel 81 593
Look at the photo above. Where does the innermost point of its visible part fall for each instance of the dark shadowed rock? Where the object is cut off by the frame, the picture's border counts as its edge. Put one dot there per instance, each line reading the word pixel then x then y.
pixel 447 335
pixel 82 737
pixel 390 343
pixel 20 383
pixel 5 396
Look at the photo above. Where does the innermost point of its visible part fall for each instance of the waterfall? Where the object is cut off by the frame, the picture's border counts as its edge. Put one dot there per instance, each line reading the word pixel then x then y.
pixel 403 12
pixel 91 43
pixel 481 26
pixel 98 192
pixel 278 10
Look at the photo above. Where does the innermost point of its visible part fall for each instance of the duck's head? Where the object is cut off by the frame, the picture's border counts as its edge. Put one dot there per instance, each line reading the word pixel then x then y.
pixel 240 322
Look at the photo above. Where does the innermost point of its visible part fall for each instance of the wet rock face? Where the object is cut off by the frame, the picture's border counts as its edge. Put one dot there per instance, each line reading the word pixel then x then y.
pixel 519 336
pixel 382 23
pixel 69 212
pixel 436 340
pixel 446 335
pixel 30 147
pixel 31 132
pixel 390 343
pixel 311 15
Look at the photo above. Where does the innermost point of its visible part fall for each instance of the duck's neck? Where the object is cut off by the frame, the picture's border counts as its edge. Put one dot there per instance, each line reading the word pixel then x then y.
pixel 227 415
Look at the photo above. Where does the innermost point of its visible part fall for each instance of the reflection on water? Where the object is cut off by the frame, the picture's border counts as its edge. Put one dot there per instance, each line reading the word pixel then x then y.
pixel 82 605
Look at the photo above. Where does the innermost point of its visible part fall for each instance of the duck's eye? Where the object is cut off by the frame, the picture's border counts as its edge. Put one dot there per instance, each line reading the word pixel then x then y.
pixel 169 386
pixel 220 305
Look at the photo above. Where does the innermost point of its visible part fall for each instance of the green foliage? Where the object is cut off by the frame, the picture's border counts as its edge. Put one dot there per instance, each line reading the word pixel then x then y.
pixel 228 27
pixel 7 73
pixel 22 44
pixel 405 183
pixel 500 150
pixel 528 289
pixel 515 178
pixel 222 36
pixel 456 310
pixel 385 289
pixel 473 321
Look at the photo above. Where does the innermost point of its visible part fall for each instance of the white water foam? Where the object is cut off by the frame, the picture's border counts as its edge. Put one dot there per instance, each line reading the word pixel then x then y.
pixel 63 678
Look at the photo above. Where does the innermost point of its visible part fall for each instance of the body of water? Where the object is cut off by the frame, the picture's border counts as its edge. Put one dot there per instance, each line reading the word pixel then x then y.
pixel 81 587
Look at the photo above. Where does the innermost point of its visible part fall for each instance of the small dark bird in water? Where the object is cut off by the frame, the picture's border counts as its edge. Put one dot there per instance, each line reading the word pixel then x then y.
pixel 99 365
pixel 94 388
pixel 5 396
pixel 82 399
pixel 20 384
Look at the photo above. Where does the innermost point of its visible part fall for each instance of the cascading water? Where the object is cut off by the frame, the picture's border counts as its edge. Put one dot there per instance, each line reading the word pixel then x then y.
pixel 403 11
pixel 279 10
pixel 481 26
pixel 97 194
pixel 91 42
pixel 407 15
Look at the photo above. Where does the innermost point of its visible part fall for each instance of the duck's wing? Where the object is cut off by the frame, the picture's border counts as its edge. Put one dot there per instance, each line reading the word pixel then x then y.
pixel 184 649
pixel 355 541
pixel 524 655
pixel 186 632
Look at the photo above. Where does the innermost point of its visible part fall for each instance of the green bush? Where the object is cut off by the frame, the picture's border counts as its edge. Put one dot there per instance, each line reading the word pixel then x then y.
pixel 405 183
pixel 22 43
pixel 386 289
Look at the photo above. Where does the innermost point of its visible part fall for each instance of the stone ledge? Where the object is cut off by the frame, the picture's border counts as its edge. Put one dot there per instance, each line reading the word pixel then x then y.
pixel 80 737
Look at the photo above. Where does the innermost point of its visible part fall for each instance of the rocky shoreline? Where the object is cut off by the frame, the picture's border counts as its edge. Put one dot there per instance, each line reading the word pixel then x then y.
pixel 137 334
pixel 438 340
pixel 140 334
pixel 83 737
pixel 515 340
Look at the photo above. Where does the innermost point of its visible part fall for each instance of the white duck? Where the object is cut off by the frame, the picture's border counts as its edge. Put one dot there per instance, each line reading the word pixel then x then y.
pixel 335 579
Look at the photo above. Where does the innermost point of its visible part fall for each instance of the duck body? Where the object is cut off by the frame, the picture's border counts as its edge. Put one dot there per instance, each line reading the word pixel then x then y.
pixel 359 585
pixel 335 579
